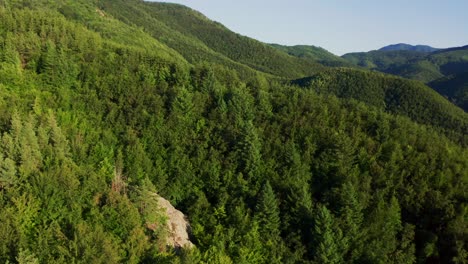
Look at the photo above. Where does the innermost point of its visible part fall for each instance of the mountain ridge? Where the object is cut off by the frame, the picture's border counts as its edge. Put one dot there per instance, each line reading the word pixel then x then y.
pixel 423 66
pixel 213 35
pixel 314 53
pixel 404 46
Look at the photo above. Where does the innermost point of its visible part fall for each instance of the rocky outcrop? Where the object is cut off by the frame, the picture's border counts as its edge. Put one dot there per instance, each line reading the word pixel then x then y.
pixel 177 225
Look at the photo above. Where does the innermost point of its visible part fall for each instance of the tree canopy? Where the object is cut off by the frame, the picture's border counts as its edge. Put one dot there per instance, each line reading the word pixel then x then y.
pixel 97 114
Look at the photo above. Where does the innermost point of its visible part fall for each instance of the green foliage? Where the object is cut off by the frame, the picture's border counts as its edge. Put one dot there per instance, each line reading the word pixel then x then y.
pixel 267 212
pixel 444 70
pixel 26 257
pixel 329 243
pixel 313 53
pixel 423 66
pixel 394 95
pixel 454 87
pixel 384 61
pixel 198 39
pixel 94 121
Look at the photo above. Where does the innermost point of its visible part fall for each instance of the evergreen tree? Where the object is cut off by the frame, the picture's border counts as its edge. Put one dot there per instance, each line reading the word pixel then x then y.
pixel 26 257
pixel 267 212
pixel 351 216
pixel 329 244
pixel 8 176
pixel 250 147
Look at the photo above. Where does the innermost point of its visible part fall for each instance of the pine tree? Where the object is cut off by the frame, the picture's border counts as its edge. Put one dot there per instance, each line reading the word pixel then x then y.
pixel 382 228
pixel 31 157
pixel 7 172
pixel 26 257
pixel 267 212
pixel 250 151
pixel 351 217
pixel 58 139
pixel 329 243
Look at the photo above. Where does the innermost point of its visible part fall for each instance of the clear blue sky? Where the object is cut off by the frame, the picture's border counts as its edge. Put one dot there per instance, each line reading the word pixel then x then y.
pixel 342 26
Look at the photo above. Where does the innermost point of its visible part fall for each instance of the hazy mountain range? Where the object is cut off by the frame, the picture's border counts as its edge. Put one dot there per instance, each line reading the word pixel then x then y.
pixel 403 46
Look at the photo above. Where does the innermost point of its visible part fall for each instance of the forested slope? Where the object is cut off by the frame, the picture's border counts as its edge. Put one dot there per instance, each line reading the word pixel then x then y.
pixel 423 66
pixel 315 54
pixel 93 123
pixel 405 63
pixel 394 95
pixel 199 39
pixel 454 87
pixel 441 67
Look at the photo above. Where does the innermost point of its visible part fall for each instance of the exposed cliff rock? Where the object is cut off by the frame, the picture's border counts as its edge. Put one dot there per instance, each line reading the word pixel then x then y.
pixel 177 225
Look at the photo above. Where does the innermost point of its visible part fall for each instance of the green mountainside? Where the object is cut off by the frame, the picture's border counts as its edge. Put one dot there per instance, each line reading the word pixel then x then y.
pixel 403 46
pixel 455 87
pixel 451 61
pixel 405 63
pixel 423 66
pixel 105 103
pixel 199 39
pixel 313 53
pixel 392 94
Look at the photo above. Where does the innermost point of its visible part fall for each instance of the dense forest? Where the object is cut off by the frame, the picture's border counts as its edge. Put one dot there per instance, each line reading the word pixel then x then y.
pixel 394 95
pixel 103 105
pixel 454 87
pixel 444 70
pixel 313 53
pixel 414 64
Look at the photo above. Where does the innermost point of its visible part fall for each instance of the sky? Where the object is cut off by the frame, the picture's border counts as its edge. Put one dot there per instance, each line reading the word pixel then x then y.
pixel 342 26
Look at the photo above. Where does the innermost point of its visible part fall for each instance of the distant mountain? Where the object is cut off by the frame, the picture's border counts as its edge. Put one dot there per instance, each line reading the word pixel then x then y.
pixel 442 70
pixel 384 61
pixel 415 65
pixel 314 53
pixel 403 46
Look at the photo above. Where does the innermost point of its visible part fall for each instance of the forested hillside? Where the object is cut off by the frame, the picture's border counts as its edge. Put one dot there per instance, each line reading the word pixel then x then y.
pixel 411 64
pixel 405 63
pixel 454 87
pixel 435 68
pixel 199 39
pixel 315 54
pixel 394 95
pixel 98 113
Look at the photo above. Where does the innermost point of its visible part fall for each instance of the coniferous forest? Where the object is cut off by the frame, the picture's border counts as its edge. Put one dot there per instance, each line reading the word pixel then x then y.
pixel 272 157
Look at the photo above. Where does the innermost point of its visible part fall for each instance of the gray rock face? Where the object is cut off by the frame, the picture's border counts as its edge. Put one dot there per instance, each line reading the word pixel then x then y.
pixel 177 225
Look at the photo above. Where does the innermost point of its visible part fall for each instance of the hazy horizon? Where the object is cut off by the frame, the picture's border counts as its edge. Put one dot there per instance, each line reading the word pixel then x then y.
pixel 342 27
